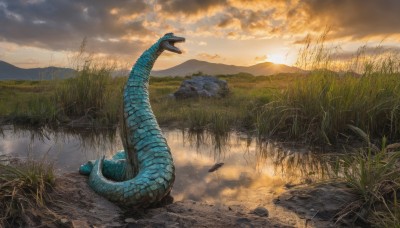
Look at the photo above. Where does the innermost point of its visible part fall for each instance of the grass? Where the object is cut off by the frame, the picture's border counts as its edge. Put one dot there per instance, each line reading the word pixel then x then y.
pixel 93 94
pixel 24 192
pixel 318 109
pixel 373 175
pixel 314 109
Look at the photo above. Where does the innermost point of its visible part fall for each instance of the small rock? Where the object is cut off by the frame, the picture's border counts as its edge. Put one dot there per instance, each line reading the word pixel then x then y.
pixel 260 211
pixel 64 220
pixel 303 196
pixel 243 222
pixel 80 224
pixel 289 185
pixel 215 167
pixel 130 220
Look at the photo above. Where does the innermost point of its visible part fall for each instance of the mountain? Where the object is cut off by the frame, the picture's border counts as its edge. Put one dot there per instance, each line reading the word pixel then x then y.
pixel 11 72
pixel 194 66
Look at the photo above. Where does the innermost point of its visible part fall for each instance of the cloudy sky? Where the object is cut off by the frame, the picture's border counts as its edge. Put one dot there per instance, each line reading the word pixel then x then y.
pixel 37 33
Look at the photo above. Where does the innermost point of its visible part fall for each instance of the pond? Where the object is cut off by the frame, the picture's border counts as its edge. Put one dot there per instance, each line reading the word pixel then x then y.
pixel 249 166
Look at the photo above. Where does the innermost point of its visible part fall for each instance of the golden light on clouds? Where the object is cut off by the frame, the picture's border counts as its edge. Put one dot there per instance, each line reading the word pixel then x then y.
pixel 238 30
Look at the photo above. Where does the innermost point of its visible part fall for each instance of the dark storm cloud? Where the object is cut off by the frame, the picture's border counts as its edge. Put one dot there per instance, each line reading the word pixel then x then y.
pixel 347 18
pixel 59 24
pixel 189 7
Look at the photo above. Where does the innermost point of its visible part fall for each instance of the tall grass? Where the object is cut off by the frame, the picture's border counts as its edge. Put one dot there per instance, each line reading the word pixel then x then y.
pixel 373 174
pixel 319 108
pixel 93 94
pixel 24 192
pixel 90 94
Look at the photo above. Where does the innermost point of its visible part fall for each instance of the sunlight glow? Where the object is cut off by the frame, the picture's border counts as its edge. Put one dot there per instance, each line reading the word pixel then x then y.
pixel 277 58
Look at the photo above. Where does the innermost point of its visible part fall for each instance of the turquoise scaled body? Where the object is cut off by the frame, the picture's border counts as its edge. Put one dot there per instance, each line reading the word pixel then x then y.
pixel 144 144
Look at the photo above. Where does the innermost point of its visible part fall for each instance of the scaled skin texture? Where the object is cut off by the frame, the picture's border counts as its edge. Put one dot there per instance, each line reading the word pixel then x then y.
pixel 144 172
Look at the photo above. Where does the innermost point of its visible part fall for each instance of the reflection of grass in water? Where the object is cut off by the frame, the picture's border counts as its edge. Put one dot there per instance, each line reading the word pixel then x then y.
pixel 103 139
pixel 373 174
pixel 218 143
pixel 24 192
pixel 297 166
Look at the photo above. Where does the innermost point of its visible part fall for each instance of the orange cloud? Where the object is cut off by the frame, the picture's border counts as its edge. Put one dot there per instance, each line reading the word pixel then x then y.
pixel 262 58
pixel 208 56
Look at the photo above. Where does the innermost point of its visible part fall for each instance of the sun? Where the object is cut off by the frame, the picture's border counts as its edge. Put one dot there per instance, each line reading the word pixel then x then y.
pixel 277 58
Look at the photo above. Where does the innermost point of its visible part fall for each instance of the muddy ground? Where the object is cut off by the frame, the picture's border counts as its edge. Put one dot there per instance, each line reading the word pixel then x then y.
pixel 76 205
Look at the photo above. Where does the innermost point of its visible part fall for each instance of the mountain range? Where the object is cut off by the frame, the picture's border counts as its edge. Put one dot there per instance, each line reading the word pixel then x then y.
pixel 11 72
pixel 190 67
pixel 194 66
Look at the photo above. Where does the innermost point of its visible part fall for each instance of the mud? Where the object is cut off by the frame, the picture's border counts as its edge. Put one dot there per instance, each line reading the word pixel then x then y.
pixel 303 206
pixel 78 206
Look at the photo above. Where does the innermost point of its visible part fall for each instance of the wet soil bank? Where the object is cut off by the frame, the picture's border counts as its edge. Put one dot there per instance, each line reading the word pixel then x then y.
pixel 76 205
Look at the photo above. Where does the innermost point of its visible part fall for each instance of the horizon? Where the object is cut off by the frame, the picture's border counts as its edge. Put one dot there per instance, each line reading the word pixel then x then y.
pixel 40 33
pixel 179 63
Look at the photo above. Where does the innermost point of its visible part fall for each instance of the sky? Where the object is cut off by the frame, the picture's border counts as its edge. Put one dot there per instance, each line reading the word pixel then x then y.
pixel 40 33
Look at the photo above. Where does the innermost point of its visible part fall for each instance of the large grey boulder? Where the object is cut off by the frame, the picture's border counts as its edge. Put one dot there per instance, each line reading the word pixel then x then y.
pixel 202 86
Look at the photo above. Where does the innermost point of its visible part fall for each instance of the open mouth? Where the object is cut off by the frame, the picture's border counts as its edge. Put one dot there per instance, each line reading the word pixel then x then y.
pixel 170 44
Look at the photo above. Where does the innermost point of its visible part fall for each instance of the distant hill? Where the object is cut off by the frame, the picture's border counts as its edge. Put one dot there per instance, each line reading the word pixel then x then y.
pixel 195 66
pixel 11 72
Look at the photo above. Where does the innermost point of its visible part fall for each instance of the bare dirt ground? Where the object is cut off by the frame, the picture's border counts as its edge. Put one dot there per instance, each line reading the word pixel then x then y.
pixel 76 205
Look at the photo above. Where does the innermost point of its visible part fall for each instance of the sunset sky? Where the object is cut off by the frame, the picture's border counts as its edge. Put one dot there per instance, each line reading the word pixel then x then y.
pixel 39 33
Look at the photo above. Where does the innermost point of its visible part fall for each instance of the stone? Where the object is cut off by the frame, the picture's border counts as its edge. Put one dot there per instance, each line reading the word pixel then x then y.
pixel 64 220
pixel 202 86
pixel 243 222
pixel 260 211
pixel 130 220
pixel 80 224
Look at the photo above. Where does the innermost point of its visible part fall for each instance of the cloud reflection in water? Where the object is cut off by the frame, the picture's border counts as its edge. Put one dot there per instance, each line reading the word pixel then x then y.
pixel 249 168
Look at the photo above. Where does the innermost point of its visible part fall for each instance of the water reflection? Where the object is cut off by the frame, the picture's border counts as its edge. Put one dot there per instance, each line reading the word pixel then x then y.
pixel 249 166
pixel 65 148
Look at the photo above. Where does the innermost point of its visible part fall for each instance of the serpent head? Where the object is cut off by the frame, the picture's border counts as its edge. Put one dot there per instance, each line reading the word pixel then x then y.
pixel 167 43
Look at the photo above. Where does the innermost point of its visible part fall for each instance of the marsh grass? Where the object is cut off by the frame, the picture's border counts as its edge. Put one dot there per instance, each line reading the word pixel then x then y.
pixel 24 192
pixel 27 102
pixel 373 175
pixel 320 108
pixel 92 94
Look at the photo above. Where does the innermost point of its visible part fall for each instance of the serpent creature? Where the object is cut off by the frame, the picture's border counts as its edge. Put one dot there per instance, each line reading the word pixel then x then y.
pixel 144 172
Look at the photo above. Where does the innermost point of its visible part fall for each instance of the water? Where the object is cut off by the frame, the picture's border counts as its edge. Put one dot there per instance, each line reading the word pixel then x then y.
pixel 250 168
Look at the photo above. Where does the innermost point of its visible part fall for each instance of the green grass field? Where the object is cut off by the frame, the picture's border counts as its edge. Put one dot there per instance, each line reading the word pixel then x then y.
pixel 313 108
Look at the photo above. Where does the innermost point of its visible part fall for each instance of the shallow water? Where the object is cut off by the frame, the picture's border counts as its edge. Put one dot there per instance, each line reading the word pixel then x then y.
pixel 249 167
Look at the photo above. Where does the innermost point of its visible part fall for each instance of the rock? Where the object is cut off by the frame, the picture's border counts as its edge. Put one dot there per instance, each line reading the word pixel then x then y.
pixel 64 220
pixel 80 224
pixel 215 167
pixel 130 220
pixel 202 86
pixel 260 211
pixel 243 222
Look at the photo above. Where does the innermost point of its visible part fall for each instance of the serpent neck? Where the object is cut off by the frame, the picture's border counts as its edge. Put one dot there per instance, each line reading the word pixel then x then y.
pixel 141 70
pixel 137 86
